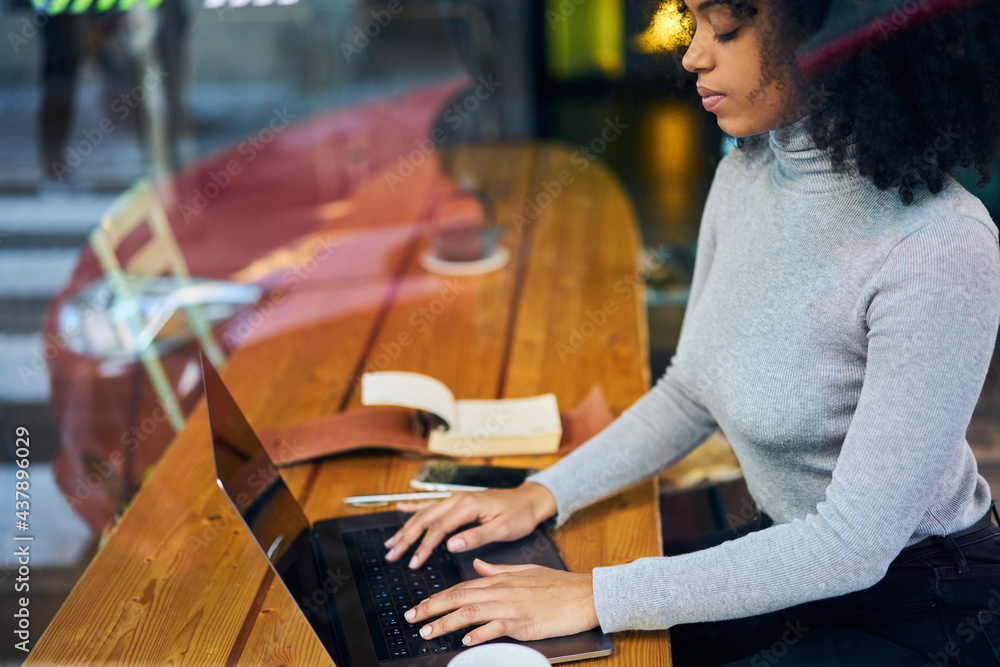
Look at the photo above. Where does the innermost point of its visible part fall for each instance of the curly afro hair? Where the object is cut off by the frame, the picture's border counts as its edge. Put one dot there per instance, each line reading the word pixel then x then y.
pixel 918 106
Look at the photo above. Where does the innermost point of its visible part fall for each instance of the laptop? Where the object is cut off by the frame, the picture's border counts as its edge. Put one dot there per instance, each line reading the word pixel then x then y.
pixel 336 571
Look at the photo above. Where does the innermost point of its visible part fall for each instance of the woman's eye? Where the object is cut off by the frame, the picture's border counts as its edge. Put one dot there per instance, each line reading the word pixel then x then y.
pixel 728 36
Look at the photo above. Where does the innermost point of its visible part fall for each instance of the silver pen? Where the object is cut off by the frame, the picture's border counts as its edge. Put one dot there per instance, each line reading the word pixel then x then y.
pixel 395 497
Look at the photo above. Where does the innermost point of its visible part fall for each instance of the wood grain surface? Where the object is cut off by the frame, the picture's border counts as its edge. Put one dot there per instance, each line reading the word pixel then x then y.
pixel 179 581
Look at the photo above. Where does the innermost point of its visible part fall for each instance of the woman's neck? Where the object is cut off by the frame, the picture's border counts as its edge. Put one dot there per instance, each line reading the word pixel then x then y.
pixel 802 167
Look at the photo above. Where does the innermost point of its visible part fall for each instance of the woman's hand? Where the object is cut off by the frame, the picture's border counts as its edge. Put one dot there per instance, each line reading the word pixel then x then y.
pixel 503 515
pixel 524 602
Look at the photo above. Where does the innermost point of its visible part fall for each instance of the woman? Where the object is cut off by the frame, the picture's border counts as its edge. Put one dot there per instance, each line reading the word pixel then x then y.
pixel 842 318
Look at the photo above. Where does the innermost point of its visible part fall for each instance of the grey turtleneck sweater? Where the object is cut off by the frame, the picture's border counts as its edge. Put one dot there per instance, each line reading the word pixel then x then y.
pixel 840 340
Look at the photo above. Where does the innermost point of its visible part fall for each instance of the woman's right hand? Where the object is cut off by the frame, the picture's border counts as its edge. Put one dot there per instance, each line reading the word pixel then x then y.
pixel 503 515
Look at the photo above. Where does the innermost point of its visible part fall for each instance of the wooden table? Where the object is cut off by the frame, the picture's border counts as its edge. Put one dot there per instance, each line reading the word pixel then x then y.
pixel 180 582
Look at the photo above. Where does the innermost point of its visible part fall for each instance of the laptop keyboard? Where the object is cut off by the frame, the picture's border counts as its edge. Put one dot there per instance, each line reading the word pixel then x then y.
pixel 387 590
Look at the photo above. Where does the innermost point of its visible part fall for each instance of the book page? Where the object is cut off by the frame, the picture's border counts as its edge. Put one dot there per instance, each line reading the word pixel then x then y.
pixel 508 416
pixel 409 390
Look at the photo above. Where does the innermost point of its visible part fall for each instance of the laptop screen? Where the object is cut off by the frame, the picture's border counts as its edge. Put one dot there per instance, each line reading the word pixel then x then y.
pixel 270 512
pixel 248 476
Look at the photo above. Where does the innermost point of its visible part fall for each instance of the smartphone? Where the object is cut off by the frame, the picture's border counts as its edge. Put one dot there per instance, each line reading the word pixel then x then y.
pixel 451 476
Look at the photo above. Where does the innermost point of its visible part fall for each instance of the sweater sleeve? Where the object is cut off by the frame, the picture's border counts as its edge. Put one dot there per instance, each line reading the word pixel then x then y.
pixel 931 316
pixel 654 433
pixel 658 430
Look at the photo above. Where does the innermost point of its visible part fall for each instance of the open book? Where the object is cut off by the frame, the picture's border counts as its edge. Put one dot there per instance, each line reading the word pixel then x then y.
pixel 499 427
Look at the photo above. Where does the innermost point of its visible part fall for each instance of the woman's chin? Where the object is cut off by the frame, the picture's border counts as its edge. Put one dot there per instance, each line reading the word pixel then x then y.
pixel 733 127
pixel 739 127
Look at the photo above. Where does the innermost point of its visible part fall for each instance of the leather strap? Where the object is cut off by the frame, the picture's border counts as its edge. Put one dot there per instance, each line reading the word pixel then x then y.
pixel 396 429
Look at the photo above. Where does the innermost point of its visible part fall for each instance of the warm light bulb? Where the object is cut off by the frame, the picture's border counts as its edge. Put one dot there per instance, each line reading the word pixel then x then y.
pixel 669 30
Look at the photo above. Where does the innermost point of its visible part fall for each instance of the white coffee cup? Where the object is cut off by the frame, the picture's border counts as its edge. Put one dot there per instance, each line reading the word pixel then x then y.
pixel 499 655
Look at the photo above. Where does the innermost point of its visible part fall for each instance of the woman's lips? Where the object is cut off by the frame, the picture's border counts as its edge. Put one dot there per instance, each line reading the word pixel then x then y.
pixel 709 98
pixel 712 101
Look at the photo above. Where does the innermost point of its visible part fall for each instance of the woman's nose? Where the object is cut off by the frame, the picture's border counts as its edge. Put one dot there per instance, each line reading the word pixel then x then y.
pixel 696 59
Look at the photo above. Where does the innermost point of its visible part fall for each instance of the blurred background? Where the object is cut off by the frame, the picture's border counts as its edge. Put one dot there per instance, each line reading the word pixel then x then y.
pixel 94 98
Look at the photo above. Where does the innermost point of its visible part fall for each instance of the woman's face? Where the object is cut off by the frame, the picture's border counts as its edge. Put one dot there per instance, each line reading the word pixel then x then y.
pixel 727 55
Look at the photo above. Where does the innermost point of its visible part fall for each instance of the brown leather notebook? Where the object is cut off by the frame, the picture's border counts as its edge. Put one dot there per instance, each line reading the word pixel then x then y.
pixel 402 430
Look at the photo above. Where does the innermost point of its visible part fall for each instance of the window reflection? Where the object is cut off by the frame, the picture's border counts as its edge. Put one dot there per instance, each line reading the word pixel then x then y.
pixel 289 144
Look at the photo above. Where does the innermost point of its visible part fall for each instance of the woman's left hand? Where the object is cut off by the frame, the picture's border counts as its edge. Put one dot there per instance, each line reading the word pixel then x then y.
pixel 524 602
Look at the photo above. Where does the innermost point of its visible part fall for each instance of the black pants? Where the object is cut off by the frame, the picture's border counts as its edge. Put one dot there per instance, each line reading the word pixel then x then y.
pixel 937 606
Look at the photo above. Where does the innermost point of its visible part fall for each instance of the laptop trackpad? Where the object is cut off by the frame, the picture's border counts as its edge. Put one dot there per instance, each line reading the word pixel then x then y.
pixel 535 549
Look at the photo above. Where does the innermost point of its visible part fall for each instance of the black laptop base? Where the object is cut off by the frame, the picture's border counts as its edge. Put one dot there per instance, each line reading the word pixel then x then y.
pixel 388 590
pixel 368 632
pixel 329 582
